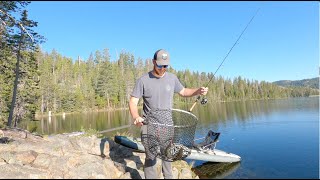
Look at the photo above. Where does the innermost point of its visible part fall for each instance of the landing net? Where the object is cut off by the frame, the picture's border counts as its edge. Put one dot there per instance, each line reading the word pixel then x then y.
pixel 170 133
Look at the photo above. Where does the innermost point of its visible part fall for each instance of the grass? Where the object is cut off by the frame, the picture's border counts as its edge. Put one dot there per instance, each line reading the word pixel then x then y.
pixel 126 133
pixel 90 132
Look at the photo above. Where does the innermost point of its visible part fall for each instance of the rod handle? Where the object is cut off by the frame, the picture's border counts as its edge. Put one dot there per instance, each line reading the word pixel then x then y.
pixel 194 104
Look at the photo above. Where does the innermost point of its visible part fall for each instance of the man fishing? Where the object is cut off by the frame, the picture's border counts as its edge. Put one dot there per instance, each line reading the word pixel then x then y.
pixel 157 88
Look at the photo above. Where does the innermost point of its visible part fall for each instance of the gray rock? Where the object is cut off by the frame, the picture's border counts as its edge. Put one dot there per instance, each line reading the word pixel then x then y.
pixel 17 171
pixel 71 157
pixel 185 174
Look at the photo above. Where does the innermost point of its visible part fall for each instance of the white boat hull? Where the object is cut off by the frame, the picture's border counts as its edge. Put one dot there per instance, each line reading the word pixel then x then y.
pixel 210 155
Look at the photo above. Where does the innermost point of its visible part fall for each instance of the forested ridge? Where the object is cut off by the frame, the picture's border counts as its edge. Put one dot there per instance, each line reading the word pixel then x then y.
pixel 48 81
pixel 312 83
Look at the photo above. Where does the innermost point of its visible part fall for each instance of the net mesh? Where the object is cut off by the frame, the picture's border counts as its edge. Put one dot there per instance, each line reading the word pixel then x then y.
pixel 184 127
pixel 170 132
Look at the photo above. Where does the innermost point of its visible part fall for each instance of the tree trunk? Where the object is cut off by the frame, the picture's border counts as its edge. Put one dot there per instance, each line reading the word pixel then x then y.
pixel 108 100
pixel 54 103
pixel 15 86
pixel 42 105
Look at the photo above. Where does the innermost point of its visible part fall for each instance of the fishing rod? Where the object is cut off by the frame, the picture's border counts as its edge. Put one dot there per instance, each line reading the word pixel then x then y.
pixel 204 99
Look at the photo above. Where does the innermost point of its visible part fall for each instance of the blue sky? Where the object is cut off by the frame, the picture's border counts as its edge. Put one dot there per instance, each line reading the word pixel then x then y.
pixel 281 43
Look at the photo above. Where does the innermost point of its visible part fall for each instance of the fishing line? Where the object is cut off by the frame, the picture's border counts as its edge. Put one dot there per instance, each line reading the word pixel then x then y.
pixel 169 133
pixel 204 100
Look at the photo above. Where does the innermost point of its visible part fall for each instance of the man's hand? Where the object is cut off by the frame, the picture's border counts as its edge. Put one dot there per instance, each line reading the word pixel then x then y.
pixel 138 121
pixel 133 103
pixel 203 90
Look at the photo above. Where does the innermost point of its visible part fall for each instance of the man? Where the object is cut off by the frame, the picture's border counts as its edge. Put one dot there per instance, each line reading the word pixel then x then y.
pixel 157 88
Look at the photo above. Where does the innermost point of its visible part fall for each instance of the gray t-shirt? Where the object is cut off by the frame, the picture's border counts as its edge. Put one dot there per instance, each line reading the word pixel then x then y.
pixel 157 93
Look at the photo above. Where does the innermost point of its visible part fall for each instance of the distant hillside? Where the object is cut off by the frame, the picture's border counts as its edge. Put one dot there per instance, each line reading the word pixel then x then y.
pixel 312 83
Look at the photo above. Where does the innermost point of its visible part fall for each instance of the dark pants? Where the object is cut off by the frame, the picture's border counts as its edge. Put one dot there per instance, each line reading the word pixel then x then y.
pixel 150 169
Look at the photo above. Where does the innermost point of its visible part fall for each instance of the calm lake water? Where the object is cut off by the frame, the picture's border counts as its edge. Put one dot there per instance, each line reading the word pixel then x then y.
pixel 275 138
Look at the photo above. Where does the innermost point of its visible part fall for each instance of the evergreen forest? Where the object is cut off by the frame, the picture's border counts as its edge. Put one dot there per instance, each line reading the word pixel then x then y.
pixel 35 82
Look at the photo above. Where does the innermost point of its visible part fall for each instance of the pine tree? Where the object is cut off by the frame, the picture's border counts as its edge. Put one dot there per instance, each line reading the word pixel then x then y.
pixel 19 39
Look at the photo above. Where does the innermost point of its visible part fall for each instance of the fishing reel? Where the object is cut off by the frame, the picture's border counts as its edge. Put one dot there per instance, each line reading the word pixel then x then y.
pixel 204 101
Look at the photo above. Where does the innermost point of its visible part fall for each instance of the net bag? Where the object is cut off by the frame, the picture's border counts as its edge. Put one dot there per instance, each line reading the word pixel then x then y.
pixel 185 124
pixel 170 134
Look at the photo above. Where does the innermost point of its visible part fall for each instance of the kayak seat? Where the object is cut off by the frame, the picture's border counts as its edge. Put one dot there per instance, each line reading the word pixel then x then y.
pixel 209 142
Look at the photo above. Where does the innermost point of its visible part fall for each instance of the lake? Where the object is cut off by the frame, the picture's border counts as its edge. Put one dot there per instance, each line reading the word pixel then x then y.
pixel 275 138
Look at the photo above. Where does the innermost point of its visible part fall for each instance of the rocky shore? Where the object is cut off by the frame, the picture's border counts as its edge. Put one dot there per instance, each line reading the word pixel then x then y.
pixel 24 155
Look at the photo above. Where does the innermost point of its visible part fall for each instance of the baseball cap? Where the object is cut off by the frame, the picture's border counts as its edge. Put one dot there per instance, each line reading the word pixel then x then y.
pixel 162 57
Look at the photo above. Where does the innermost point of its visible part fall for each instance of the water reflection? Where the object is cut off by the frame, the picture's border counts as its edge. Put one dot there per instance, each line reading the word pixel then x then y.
pixel 219 115
pixel 75 122
pixel 215 115
pixel 212 170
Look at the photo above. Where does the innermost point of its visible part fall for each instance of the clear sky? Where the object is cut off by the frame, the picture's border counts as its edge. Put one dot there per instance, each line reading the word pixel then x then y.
pixel 281 43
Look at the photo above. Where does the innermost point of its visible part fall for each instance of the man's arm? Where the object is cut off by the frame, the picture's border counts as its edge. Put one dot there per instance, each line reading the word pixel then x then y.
pixel 133 107
pixel 188 92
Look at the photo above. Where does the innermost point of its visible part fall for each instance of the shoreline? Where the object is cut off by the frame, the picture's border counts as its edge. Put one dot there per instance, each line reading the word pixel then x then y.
pixel 46 114
pixel 314 95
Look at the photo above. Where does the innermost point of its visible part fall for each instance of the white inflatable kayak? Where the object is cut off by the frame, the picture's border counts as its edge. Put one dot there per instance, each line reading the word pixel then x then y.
pixel 214 155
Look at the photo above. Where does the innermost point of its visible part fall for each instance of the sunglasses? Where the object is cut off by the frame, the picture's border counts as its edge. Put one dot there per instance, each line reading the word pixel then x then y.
pixel 160 66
